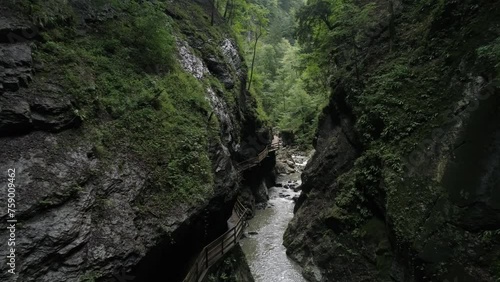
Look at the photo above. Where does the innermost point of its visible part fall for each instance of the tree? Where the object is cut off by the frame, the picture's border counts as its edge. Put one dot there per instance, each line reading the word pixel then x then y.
pixel 336 29
pixel 392 29
pixel 226 8
pixel 258 22
pixel 315 13
pixel 290 86
pixel 214 9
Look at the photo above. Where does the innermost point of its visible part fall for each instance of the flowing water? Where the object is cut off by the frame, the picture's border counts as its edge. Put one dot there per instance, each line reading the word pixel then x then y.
pixel 263 246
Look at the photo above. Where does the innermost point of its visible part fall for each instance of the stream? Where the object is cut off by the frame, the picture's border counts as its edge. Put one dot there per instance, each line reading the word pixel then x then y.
pixel 263 245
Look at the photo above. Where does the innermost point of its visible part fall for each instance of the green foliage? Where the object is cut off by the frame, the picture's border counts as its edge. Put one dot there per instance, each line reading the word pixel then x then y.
pixel 172 138
pixel 282 79
pixel 229 269
pixel 137 101
pixel 146 37
pixel 334 29
pixel 399 99
pixel 45 13
pixel 290 106
pixel 491 52
pixel 313 15
pixel 496 267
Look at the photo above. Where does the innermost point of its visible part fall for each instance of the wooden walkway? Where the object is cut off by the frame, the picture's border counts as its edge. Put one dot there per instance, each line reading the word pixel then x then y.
pixel 214 251
pixel 219 247
pixel 262 155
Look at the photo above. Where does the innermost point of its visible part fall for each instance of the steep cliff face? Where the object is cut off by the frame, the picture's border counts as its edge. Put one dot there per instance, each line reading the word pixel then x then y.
pixel 404 185
pixel 124 122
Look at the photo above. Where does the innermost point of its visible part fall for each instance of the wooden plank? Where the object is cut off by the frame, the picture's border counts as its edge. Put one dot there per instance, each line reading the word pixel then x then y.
pixel 229 239
pixel 255 160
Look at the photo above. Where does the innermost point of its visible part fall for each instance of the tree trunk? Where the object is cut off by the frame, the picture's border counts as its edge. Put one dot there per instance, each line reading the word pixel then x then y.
pixel 226 9
pixel 302 113
pixel 392 29
pixel 284 101
pixel 257 36
pixel 355 56
pixel 213 12
pixel 231 12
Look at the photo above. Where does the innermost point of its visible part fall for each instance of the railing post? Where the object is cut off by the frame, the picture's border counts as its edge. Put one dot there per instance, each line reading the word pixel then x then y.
pixel 241 212
pixel 222 246
pixel 206 257
pixel 197 270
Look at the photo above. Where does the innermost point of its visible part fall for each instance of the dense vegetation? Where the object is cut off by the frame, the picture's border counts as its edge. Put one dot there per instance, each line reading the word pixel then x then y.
pixel 286 77
pixel 398 101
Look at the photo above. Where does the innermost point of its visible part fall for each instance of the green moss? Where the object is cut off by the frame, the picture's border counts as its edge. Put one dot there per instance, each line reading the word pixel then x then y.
pixel 374 233
pixel 90 276
pixel 45 13
pixel 135 99
pixel 260 113
pixel 99 150
pixel 403 99
pixel 491 53
pixel 46 204
pixel 496 269
pixel 60 197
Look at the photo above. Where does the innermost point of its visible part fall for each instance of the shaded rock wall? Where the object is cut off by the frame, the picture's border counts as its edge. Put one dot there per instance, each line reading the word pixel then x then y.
pixel 256 182
pixel 420 205
pixel 44 106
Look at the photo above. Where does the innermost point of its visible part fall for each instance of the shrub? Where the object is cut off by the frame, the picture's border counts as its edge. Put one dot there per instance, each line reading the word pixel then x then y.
pixel 145 36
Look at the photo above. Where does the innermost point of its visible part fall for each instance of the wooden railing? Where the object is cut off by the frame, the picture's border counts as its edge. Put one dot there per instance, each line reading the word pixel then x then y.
pixel 274 146
pixel 219 247
pixel 256 160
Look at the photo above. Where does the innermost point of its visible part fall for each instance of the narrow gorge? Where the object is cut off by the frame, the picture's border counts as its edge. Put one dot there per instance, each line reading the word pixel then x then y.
pixel 250 140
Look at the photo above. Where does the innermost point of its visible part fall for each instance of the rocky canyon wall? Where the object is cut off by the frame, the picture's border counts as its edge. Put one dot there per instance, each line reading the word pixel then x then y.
pixel 404 184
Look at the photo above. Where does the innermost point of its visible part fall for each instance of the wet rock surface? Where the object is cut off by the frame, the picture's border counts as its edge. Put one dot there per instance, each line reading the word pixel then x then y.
pixel 13 25
pixel 318 189
pixel 291 160
pixel 15 66
pixel 48 109
pixel 42 106
pixel 254 193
